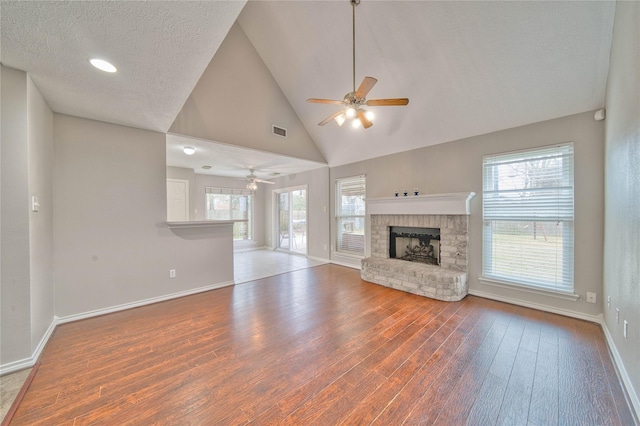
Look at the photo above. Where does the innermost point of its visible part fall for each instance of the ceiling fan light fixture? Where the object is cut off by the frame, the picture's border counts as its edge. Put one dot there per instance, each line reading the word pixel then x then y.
pixel 341 119
pixel 350 112
pixel 356 123
pixel 369 114
pixel 252 186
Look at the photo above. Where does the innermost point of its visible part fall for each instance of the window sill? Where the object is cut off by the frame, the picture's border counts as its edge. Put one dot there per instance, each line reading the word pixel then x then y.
pixel 200 223
pixel 349 255
pixel 529 289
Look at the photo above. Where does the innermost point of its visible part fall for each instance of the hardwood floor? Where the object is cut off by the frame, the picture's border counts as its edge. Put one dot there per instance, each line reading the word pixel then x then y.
pixel 320 346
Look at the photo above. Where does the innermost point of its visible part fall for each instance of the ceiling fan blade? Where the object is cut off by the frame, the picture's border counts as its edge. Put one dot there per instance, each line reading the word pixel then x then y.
pixel 363 120
pixel 388 102
pixel 365 86
pixel 325 101
pixel 329 118
pixel 264 181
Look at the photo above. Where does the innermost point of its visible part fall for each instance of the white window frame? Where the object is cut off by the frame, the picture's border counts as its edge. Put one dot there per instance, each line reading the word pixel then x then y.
pixel 342 219
pixel 250 213
pixel 509 202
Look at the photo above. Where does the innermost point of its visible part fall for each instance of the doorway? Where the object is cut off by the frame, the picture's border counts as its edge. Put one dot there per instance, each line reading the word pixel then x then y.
pixel 177 200
pixel 291 224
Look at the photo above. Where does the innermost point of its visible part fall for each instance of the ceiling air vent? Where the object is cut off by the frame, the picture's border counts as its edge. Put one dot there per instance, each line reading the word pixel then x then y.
pixel 279 131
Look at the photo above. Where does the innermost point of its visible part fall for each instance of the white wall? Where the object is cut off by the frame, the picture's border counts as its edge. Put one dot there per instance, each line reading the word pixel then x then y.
pixel 202 181
pixel 40 135
pixel 457 167
pixel 622 192
pixel 112 246
pixel 318 207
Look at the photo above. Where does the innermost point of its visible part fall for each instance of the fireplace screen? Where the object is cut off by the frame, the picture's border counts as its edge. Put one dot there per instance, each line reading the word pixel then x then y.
pixel 415 244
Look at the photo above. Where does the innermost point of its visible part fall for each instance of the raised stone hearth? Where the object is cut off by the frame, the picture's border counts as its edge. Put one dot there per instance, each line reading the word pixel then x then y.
pixel 418 278
pixel 449 213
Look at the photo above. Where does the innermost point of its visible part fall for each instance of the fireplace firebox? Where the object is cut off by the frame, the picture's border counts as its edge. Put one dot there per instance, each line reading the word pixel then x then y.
pixel 415 244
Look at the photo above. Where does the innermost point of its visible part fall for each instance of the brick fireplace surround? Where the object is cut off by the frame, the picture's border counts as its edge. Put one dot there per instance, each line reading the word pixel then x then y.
pixel 450 213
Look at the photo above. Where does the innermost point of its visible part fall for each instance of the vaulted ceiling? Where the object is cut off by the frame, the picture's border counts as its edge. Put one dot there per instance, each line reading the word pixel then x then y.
pixel 469 68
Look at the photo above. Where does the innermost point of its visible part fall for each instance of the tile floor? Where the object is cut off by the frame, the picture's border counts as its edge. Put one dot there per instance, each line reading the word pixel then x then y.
pixel 10 386
pixel 256 264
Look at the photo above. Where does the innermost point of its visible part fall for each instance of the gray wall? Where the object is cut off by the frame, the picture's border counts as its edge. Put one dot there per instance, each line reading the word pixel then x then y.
pixel 15 298
pixel 622 189
pixel 457 167
pixel 112 246
pixel 202 181
pixel 40 133
pixel 237 101
pixel 318 209
pixel 186 174
pixel 27 299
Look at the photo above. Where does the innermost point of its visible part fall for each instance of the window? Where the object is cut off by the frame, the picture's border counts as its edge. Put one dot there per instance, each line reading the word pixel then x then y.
pixel 350 211
pixel 528 217
pixel 231 204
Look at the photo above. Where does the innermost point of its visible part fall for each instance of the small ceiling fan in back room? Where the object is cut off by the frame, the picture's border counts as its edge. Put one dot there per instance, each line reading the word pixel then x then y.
pixel 253 181
pixel 355 101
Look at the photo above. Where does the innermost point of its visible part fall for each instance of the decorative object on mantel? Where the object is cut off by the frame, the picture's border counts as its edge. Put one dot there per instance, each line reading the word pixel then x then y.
pixel 396 193
pixel 415 191
pixel 405 192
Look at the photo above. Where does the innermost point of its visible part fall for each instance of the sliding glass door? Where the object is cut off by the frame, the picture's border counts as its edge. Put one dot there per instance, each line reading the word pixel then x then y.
pixel 291 225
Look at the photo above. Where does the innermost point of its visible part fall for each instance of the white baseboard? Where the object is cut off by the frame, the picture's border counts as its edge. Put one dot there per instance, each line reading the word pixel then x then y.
pixel 112 309
pixel 592 318
pixel 622 372
pixel 21 364
pixel 348 265
pixel 319 259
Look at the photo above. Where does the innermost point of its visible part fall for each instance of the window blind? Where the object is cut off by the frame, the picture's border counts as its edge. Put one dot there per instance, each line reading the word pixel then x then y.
pixel 350 215
pixel 528 211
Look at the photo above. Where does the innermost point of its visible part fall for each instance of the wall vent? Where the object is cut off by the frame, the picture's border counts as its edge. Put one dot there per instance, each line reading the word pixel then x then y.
pixel 279 131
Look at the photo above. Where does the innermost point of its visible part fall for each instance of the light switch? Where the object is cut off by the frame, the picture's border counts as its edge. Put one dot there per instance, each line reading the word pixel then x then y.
pixel 35 205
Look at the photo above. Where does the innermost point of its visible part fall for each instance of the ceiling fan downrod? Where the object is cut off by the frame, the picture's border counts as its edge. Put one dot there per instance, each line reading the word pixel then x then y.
pixel 354 3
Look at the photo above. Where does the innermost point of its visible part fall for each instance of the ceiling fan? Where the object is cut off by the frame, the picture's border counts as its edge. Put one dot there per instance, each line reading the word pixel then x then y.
pixel 253 181
pixel 354 101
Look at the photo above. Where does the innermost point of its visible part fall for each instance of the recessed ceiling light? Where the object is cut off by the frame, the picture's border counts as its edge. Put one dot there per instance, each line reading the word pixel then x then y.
pixel 189 150
pixel 206 167
pixel 103 65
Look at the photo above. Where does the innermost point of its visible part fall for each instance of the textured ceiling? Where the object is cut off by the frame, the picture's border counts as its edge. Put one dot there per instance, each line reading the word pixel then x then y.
pixel 159 48
pixel 231 160
pixel 469 68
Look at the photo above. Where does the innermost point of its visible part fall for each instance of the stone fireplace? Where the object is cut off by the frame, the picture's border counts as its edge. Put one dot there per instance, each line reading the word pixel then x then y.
pixel 437 252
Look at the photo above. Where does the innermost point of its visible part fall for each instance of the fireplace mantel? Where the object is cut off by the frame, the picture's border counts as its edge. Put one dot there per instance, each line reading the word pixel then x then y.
pixel 456 203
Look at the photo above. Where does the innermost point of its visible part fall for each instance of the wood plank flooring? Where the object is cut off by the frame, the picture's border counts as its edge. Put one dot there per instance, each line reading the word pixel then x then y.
pixel 320 346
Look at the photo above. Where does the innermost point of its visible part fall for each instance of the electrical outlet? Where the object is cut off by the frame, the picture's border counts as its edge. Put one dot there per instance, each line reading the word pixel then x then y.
pixel 609 302
pixel 617 316
pixel 172 273
pixel 624 328
pixel 591 297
